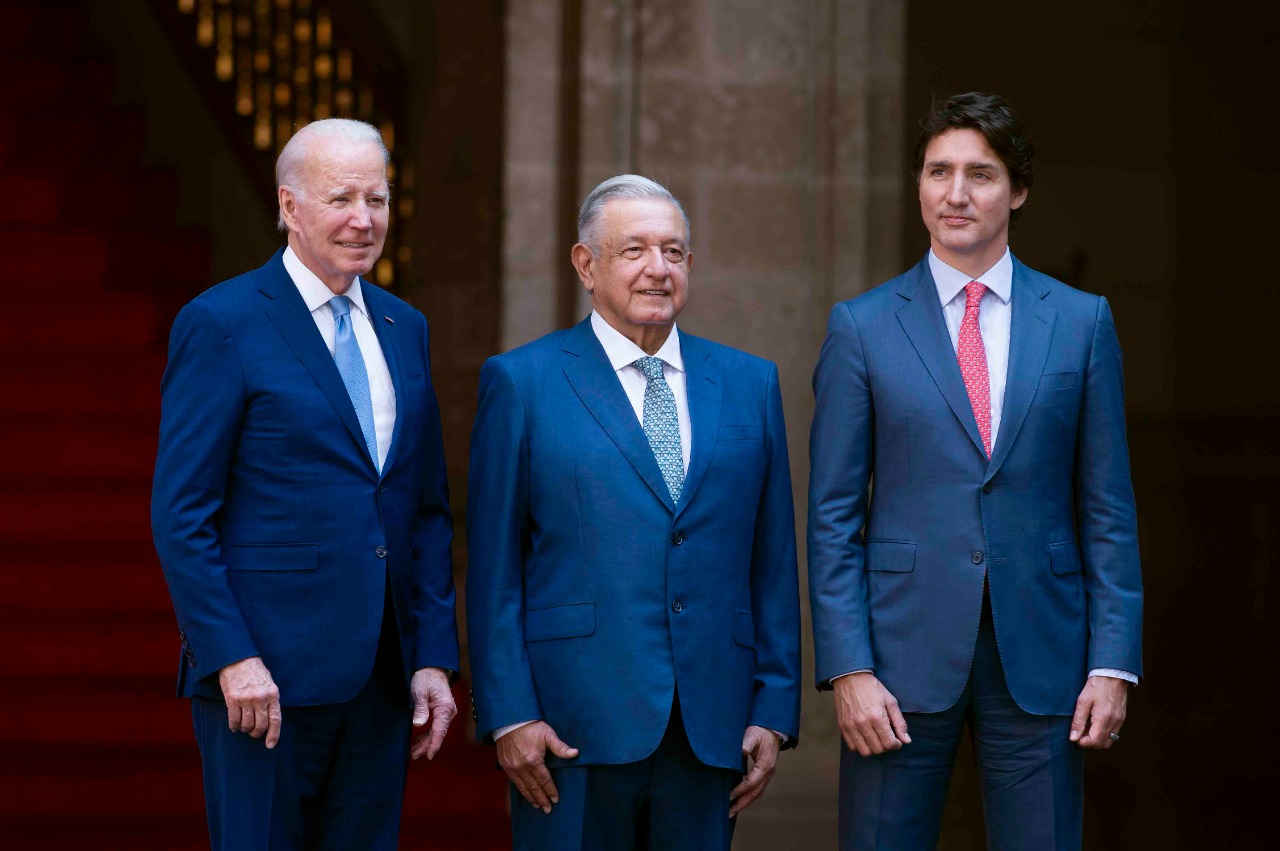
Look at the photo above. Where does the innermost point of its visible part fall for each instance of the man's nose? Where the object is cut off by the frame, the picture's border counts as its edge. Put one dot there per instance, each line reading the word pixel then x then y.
pixel 656 267
pixel 360 216
pixel 958 191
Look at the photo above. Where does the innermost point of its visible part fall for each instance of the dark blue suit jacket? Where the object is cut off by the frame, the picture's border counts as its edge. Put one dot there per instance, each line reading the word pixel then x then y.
pixel 590 596
pixel 1050 518
pixel 276 533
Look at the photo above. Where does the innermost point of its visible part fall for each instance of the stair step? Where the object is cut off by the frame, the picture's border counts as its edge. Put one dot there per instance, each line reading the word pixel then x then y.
pixel 64 715
pixel 69 451
pixel 70 140
pixel 51 586
pixel 75 260
pixel 41 82
pixel 127 644
pixel 85 381
pixel 28 28
pixel 46 317
pixel 77 512
pixel 52 196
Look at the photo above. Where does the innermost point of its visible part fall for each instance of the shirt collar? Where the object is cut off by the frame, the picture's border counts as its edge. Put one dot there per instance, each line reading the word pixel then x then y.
pixel 623 352
pixel 951 281
pixel 313 290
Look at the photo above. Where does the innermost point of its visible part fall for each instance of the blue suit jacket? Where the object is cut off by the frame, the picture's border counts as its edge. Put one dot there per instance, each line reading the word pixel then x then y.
pixel 274 528
pixel 590 596
pixel 896 571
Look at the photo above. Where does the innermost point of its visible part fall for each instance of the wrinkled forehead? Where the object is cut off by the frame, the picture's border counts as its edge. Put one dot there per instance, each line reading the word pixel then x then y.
pixel 647 219
pixel 334 164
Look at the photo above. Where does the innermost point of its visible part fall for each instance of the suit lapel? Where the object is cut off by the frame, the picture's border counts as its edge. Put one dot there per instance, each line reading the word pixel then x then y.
pixel 922 320
pixel 704 388
pixel 389 339
pixel 593 379
pixel 1031 329
pixel 288 312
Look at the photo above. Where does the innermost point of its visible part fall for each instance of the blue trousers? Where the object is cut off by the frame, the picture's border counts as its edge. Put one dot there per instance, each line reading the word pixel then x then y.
pixel 335 780
pixel 668 801
pixel 1032 776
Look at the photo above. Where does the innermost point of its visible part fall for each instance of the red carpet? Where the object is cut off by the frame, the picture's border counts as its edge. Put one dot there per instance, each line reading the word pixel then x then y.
pixel 94 750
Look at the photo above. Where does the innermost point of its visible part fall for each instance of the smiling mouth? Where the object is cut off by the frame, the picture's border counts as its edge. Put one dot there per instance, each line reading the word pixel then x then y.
pixel 356 244
pixel 653 292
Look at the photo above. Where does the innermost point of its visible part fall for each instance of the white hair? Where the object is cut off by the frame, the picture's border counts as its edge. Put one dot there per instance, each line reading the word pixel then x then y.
pixel 625 187
pixel 293 157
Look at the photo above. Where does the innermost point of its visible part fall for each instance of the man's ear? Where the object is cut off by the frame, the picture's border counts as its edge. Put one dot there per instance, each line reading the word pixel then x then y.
pixel 583 261
pixel 1018 198
pixel 288 206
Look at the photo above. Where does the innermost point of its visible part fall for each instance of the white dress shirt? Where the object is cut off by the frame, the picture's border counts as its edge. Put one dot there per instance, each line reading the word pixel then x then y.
pixel 995 320
pixel 381 391
pixel 622 353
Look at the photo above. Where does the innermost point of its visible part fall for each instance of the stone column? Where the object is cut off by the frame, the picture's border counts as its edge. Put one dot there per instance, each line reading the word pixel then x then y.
pixel 779 126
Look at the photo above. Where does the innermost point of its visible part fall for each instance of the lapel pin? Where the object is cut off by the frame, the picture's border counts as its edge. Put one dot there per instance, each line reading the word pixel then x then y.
pixel 389 319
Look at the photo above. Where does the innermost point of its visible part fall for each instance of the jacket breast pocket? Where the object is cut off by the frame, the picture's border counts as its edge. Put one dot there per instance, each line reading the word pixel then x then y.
pixel 1058 388
pixel 891 556
pixel 737 432
pixel 1064 558
pixel 278 557
pixel 573 620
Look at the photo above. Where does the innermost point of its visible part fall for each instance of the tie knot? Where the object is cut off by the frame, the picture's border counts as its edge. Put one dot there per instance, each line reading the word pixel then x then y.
pixel 340 305
pixel 651 367
pixel 974 291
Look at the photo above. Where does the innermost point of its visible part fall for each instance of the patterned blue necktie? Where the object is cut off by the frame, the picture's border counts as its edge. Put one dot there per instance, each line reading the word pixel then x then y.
pixel 346 354
pixel 662 426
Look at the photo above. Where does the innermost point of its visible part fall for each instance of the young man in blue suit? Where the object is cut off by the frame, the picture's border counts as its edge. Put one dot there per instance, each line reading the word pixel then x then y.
pixel 301 515
pixel 990 579
pixel 632 605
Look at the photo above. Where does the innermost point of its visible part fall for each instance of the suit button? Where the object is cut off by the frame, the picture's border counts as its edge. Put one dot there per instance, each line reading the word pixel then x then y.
pixel 677 606
pixel 380 552
pixel 976 558
pixel 677 538
pixel 987 488
pixel 383 490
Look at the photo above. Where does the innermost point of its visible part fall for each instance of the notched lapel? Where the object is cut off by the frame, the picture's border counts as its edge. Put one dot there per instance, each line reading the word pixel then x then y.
pixel 922 320
pixel 705 388
pixel 592 378
pixel 1030 332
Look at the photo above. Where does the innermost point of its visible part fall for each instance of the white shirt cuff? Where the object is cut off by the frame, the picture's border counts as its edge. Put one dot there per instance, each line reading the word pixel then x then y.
pixel 859 671
pixel 1114 672
pixel 502 731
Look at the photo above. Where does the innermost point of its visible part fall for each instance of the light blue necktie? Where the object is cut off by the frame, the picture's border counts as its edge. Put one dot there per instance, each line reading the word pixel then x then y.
pixel 346 354
pixel 662 425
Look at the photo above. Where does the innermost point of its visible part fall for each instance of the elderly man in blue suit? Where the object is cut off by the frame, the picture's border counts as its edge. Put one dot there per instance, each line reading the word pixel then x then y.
pixel 990 577
pixel 301 515
pixel 632 593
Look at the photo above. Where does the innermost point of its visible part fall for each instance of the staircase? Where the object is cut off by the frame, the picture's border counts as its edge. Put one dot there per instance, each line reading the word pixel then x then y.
pixel 94 749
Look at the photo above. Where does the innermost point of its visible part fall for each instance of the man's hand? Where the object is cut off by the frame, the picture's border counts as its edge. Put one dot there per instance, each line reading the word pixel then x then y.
pixel 868 715
pixel 1100 710
pixel 253 701
pixel 762 746
pixel 522 754
pixel 432 701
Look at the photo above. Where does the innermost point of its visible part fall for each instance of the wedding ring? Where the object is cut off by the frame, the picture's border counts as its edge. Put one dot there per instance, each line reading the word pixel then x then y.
pixel 1115 737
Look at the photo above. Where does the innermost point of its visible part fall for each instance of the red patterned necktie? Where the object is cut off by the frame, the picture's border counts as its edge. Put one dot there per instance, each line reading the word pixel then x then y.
pixel 972 355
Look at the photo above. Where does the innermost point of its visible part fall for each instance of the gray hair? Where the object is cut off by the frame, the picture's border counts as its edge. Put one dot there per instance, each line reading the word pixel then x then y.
pixel 623 187
pixel 293 157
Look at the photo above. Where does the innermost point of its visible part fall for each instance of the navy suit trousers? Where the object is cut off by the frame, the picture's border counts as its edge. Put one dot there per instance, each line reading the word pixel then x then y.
pixel 1032 776
pixel 334 782
pixel 669 801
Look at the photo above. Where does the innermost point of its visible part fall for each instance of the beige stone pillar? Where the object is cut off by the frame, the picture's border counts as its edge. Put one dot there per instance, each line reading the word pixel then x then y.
pixel 779 126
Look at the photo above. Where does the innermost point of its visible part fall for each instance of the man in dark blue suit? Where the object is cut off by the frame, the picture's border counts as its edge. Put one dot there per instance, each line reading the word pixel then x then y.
pixel 632 602
pixel 301 515
pixel 990 578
